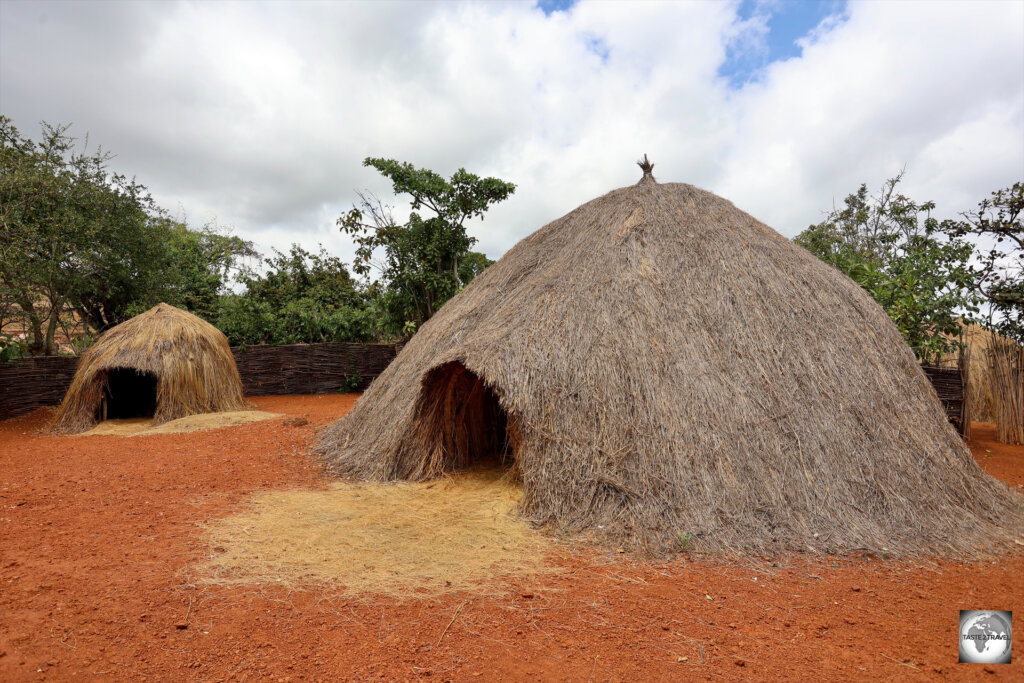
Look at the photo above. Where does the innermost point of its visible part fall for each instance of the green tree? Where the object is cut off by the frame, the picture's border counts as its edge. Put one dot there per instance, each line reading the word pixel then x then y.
pixel 472 265
pixel 428 259
pixel 62 218
pixel 169 263
pixel 893 248
pixel 197 267
pixel 301 297
pixel 79 241
pixel 998 272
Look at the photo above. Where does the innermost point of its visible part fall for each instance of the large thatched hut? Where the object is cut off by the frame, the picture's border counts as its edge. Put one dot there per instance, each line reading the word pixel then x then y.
pixel 659 365
pixel 164 363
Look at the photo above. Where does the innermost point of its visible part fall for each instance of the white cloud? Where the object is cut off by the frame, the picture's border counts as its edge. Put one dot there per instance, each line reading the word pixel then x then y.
pixel 935 87
pixel 259 115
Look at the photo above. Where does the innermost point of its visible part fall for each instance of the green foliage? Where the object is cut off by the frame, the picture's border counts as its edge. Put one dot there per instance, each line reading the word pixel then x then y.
pixel 998 273
pixel 69 228
pixel 82 245
pixel 187 268
pixel 683 541
pixel 11 348
pixel 301 298
pixel 78 239
pixel 197 266
pixel 354 379
pixel 471 265
pixel 428 259
pixel 893 248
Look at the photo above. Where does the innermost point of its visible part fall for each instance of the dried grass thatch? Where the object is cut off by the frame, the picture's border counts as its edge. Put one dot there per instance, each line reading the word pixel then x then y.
pixel 1007 358
pixel 668 366
pixel 189 358
pixel 140 426
pixel 376 539
pixel 981 389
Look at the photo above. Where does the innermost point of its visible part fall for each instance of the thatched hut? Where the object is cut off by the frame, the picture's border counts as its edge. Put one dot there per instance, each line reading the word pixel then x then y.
pixel 164 363
pixel 659 365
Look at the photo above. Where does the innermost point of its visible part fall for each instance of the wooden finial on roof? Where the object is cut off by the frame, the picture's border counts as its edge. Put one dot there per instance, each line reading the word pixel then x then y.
pixel 647 167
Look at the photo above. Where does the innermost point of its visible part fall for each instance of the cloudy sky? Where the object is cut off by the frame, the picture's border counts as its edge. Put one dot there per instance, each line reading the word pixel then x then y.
pixel 258 115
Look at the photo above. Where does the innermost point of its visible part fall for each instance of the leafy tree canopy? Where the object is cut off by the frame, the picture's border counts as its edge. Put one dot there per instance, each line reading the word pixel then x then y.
pixel 197 266
pixel 76 237
pixel 301 297
pixel 471 265
pixel 893 248
pixel 998 271
pixel 63 215
pixel 427 259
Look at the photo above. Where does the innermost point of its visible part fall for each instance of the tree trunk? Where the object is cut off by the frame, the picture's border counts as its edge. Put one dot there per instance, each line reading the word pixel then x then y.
pixel 35 341
pixel 51 329
pixel 35 337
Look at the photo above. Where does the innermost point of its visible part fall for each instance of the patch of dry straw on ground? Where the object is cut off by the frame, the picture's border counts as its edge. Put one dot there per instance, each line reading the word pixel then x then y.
pixel 143 426
pixel 457 533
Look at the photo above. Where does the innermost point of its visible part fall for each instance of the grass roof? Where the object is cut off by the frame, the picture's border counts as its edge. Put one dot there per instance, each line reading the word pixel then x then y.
pixel 668 367
pixel 190 358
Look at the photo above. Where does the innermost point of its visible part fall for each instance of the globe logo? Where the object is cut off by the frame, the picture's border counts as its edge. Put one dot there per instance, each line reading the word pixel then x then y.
pixel 985 637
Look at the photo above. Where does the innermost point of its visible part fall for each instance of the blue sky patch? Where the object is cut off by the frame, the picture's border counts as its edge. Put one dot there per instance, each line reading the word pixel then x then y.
pixel 599 47
pixel 550 6
pixel 787 21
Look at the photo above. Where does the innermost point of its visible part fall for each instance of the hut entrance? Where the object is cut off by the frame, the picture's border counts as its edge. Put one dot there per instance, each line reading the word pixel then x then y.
pixel 128 393
pixel 469 425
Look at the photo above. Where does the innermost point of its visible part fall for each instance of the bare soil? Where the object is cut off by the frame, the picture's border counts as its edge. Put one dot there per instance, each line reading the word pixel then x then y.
pixel 98 536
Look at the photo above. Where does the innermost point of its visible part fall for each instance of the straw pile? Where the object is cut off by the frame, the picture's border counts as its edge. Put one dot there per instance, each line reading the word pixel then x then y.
pixel 140 426
pixel 666 365
pixel 190 358
pixel 402 540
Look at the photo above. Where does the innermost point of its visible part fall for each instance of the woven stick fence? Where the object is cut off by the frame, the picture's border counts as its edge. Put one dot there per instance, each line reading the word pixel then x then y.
pixel 1007 361
pixel 30 383
pixel 949 385
pixel 311 368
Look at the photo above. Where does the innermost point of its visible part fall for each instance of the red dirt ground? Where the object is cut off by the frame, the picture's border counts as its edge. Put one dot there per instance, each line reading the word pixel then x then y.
pixel 97 533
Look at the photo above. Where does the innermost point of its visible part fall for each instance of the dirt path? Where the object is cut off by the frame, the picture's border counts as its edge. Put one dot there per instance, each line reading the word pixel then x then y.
pixel 97 533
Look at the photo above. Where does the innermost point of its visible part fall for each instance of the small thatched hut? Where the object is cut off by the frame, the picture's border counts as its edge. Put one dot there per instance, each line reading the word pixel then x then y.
pixel 659 365
pixel 164 363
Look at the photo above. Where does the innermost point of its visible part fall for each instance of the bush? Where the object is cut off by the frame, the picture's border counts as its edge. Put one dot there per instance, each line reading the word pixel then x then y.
pixel 247 321
pixel 11 348
pixel 302 298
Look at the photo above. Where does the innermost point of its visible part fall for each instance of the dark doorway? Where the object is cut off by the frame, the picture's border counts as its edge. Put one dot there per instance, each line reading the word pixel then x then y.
pixel 464 414
pixel 128 393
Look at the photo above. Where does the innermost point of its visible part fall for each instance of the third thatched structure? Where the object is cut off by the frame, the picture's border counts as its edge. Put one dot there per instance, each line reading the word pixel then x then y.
pixel 162 364
pixel 659 365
